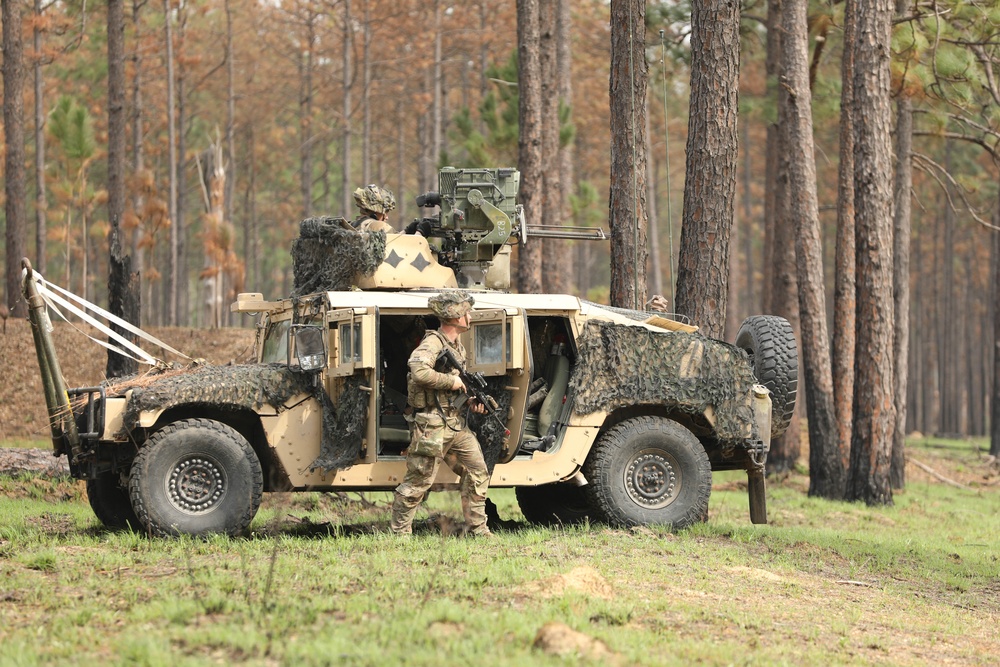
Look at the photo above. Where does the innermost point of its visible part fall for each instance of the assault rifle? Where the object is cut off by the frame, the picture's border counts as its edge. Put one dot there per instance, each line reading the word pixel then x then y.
pixel 475 383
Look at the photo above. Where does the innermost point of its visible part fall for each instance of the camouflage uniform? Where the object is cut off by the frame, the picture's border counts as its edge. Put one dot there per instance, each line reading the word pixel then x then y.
pixel 439 430
pixel 373 199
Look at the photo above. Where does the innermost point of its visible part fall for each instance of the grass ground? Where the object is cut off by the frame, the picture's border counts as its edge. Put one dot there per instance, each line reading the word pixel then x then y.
pixel 319 582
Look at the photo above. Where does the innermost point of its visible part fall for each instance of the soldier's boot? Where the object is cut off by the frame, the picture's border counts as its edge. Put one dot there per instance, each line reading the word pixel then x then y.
pixel 403 509
pixel 474 511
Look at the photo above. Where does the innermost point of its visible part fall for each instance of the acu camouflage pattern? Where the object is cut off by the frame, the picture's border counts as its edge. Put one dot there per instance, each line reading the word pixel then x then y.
pixel 375 199
pixel 620 365
pixel 451 304
pixel 328 255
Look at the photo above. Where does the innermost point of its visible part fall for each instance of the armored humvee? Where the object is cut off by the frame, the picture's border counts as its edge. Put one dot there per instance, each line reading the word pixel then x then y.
pixel 602 413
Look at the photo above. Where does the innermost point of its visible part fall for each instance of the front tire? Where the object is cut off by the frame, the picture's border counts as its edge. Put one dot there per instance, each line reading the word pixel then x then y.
pixel 649 470
pixel 196 477
pixel 111 503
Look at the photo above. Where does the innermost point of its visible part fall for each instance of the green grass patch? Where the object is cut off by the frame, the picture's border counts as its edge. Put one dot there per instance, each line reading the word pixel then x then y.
pixel 319 581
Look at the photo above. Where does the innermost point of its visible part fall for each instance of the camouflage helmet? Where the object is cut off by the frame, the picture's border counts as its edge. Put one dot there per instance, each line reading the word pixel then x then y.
pixel 375 199
pixel 451 304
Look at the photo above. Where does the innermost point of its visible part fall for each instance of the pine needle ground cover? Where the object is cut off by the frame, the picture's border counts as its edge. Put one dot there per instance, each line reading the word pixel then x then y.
pixel 319 582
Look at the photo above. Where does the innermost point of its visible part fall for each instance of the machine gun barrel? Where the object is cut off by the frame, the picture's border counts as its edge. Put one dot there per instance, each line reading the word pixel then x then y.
pixel 566 232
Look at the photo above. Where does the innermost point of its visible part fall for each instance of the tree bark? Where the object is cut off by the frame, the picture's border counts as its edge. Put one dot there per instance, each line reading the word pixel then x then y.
pixel 808 252
pixel 14 177
pixel 366 110
pixel 123 285
pixel 555 277
pixel 710 179
pixel 844 303
pixel 564 76
pixel 627 205
pixel 345 182
pixel 874 409
pixel 995 410
pixel 138 157
pixel 40 202
pixel 901 283
pixel 529 143
pixel 173 271
pixel 772 211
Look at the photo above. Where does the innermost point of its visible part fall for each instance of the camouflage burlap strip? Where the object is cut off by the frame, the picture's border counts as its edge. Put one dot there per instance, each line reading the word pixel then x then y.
pixel 620 365
pixel 249 386
pixel 326 256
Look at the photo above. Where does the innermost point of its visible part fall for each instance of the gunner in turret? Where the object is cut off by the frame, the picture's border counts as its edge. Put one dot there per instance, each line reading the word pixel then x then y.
pixel 375 204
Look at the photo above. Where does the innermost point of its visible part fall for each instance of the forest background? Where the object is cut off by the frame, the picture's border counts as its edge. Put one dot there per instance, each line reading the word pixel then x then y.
pixel 280 109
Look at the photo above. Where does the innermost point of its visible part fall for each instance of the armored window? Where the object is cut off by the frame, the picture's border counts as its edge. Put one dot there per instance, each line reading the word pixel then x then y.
pixel 275 348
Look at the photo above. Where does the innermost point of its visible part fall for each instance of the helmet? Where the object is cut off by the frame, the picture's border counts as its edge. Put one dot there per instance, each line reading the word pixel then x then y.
pixel 375 199
pixel 451 304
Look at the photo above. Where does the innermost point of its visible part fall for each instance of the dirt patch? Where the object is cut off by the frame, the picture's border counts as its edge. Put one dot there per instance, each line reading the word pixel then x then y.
pixel 22 402
pixel 559 639
pixel 582 579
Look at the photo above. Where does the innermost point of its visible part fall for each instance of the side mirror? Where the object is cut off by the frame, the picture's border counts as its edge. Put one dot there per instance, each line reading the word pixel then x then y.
pixel 310 346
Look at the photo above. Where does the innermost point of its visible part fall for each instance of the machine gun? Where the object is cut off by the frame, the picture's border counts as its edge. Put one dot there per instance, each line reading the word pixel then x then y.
pixel 478 218
pixel 475 383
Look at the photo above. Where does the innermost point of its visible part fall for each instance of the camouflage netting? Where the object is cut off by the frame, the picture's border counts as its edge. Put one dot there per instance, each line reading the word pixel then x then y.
pixel 343 428
pixel 488 431
pixel 326 256
pixel 619 365
pixel 249 386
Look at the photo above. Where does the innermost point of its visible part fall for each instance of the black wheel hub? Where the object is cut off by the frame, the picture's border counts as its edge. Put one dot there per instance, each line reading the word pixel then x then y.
pixel 196 484
pixel 651 479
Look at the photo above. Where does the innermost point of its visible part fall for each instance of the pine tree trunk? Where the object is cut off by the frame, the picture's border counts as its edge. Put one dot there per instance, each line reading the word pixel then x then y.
pixel 995 409
pixel 874 410
pixel 529 144
pixel 123 285
pixel 40 201
pixel 710 178
pixel 14 178
pixel 554 277
pixel 844 304
pixel 173 271
pixel 366 111
pixel 345 181
pixel 901 283
pixel 627 206
pixel 772 213
pixel 564 77
pixel 804 210
pixel 138 158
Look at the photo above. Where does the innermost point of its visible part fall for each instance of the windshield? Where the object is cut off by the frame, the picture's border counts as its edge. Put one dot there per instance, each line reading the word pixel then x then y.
pixel 275 348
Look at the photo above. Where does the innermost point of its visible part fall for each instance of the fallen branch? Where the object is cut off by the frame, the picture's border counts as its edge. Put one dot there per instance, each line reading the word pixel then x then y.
pixel 851 582
pixel 926 468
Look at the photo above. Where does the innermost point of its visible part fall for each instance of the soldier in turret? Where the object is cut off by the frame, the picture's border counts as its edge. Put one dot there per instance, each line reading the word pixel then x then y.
pixel 375 204
pixel 440 431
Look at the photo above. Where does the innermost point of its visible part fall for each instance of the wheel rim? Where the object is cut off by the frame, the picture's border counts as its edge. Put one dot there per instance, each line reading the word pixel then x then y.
pixel 196 484
pixel 652 479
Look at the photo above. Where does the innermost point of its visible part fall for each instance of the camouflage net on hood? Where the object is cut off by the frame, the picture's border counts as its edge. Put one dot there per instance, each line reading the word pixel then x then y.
pixel 326 256
pixel 249 386
pixel 252 386
pixel 620 365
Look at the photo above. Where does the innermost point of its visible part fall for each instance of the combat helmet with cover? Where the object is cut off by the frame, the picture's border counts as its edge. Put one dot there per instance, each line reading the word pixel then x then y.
pixel 375 199
pixel 451 304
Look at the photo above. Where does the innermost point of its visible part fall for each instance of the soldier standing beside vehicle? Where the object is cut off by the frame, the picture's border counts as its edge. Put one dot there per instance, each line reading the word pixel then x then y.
pixel 440 432
pixel 375 204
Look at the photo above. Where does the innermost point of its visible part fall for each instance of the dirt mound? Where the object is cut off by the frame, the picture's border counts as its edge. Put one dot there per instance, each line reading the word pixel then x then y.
pixel 22 401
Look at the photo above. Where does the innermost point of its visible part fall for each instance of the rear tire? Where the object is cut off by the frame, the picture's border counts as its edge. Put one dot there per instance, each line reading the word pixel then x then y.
pixel 770 343
pixel 196 477
pixel 111 503
pixel 561 504
pixel 649 470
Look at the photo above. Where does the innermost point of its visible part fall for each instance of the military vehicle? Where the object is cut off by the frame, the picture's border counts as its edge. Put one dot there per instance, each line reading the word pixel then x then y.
pixel 603 414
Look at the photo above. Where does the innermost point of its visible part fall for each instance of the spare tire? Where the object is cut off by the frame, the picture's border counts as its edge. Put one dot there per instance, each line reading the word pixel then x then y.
pixel 770 343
